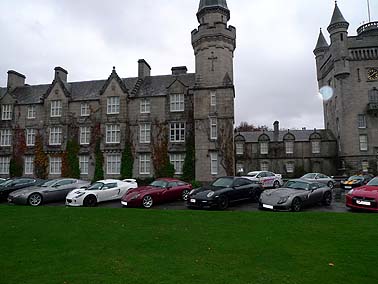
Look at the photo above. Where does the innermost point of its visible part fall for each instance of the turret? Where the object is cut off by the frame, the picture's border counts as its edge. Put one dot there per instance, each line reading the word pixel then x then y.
pixel 320 50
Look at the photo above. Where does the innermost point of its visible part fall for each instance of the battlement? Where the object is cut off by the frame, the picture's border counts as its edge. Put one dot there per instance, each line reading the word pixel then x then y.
pixel 367 27
pixel 218 29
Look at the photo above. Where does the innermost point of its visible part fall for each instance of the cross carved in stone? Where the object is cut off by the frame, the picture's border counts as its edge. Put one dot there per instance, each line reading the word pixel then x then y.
pixel 212 58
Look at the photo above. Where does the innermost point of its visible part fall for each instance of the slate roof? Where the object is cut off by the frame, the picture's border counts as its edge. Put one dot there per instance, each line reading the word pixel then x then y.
pixel 90 90
pixel 337 17
pixel 322 43
pixel 300 135
pixel 211 3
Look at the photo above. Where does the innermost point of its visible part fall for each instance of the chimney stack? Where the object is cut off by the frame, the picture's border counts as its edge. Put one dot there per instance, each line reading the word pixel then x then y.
pixel 276 132
pixel 15 80
pixel 144 70
pixel 179 70
pixel 61 73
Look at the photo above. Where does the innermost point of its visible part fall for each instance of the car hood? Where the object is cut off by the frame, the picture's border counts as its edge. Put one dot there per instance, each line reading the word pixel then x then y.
pixel 366 191
pixel 27 190
pixel 203 191
pixel 144 189
pixel 350 182
pixel 282 192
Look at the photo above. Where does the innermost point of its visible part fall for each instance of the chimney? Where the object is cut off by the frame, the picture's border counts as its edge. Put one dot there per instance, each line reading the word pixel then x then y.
pixel 144 70
pixel 179 70
pixel 15 80
pixel 61 73
pixel 276 132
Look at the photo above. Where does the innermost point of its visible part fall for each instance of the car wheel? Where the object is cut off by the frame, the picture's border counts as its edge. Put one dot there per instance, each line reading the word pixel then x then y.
pixel 185 195
pixel 330 185
pixel 147 201
pixel 276 184
pixel 90 201
pixel 327 198
pixel 223 202
pixel 35 199
pixel 296 205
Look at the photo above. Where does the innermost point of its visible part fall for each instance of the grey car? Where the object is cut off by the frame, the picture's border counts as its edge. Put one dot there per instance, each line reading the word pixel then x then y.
pixel 321 178
pixel 50 191
pixel 294 195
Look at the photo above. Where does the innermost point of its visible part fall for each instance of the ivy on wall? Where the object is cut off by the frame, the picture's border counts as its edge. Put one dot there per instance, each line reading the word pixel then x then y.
pixel 70 160
pixel 41 161
pixel 16 166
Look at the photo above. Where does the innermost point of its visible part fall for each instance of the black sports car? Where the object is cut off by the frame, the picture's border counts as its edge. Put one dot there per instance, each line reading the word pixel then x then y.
pixel 355 181
pixel 224 190
pixel 15 184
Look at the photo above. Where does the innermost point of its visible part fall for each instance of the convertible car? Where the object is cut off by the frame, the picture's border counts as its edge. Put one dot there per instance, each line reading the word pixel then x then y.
pixel 364 197
pixel 159 191
pixel 295 195
pixel 14 184
pixel 100 191
pixel 355 181
pixel 50 191
pixel 223 191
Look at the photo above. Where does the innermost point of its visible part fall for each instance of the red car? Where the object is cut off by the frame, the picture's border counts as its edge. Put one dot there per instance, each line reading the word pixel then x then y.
pixel 364 197
pixel 159 191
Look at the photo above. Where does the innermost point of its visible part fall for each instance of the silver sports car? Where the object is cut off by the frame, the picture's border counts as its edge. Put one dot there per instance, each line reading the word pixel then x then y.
pixel 50 191
pixel 295 195
pixel 320 178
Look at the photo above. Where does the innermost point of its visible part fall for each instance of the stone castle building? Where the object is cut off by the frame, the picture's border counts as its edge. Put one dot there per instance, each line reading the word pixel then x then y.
pixel 180 104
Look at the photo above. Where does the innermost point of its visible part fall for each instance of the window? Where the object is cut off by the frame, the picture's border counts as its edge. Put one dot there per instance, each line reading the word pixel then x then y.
pixel 5 137
pixel 365 166
pixel 85 110
pixel 315 147
pixel 264 166
pixel 113 105
pixel 30 137
pixel 113 134
pixel 213 128
pixel 145 106
pixel 145 133
pixel 84 163
pixel 363 142
pixel 177 160
pixel 6 112
pixel 144 164
pixel 239 168
pixel 85 135
pixel 178 132
pixel 31 112
pixel 290 167
pixel 213 99
pixel 177 102
pixel 55 165
pixel 113 164
pixel 55 136
pixel 214 163
pixel 361 121
pixel 264 148
pixel 239 148
pixel 56 108
pixel 29 165
pixel 289 146
pixel 4 165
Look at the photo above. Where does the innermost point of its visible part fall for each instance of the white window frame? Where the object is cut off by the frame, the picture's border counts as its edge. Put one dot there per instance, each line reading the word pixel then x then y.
pixel 5 137
pixel 55 137
pixel 85 109
pixel 84 164
pixel 177 132
pixel 32 112
pixel 177 102
pixel 145 106
pixel 145 133
pixel 113 164
pixel 290 167
pixel 239 168
pixel 6 112
pixel 113 105
pixel 213 128
pixel 30 137
pixel 29 165
pixel 55 165
pixel 364 146
pixel 113 134
pixel 315 147
pixel 365 166
pixel 85 135
pixel 4 165
pixel 264 166
pixel 144 164
pixel 56 108
pixel 264 148
pixel 361 121
pixel 214 165
pixel 289 147
pixel 177 160
pixel 239 148
pixel 213 98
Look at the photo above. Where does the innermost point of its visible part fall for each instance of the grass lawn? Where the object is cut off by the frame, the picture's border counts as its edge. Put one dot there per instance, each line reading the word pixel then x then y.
pixel 99 245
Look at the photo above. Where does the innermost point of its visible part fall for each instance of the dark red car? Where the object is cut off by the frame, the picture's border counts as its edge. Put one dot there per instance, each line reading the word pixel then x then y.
pixel 364 197
pixel 159 191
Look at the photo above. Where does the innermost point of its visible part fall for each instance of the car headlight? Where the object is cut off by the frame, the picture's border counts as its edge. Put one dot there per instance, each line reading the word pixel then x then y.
pixel 80 194
pixel 210 194
pixel 192 191
pixel 283 199
pixel 350 192
pixel 135 197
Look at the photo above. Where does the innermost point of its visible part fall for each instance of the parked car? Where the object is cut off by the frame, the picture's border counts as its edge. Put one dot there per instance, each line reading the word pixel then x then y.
pixel 49 191
pixel 294 195
pixel 318 177
pixel 267 179
pixel 364 197
pixel 159 191
pixel 223 191
pixel 2 180
pixel 355 181
pixel 100 191
pixel 14 184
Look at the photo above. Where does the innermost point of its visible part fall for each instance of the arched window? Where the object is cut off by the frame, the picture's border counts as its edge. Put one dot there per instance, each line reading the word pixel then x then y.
pixel 315 140
pixel 264 144
pixel 289 143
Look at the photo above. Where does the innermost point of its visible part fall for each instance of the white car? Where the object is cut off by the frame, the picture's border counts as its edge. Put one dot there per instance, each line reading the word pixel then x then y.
pixel 103 190
pixel 267 179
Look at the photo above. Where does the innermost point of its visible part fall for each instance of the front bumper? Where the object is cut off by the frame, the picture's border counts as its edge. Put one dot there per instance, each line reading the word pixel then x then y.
pixel 361 203
pixel 131 203
pixel 281 207
pixel 201 203
pixel 21 200
pixel 349 186
pixel 73 202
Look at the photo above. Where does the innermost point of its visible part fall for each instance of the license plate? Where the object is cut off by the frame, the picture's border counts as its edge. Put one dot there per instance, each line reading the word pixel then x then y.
pixel 268 206
pixel 192 201
pixel 124 203
pixel 348 187
pixel 361 202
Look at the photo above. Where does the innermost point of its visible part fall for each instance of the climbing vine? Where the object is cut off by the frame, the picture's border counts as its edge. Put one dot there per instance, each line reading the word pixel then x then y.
pixel 16 166
pixel 41 161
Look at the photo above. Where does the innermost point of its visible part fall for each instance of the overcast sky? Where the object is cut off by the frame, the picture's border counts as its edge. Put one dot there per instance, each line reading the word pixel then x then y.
pixel 275 74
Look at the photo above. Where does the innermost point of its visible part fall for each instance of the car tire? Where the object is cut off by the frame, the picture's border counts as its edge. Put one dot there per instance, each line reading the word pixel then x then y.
pixel 296 205
pixel 185 194
pixel 276 184
pixel 327 198
pixel 90 201
pixel 223 202
pixel 35 199
pixel 147 201
pixel 330 185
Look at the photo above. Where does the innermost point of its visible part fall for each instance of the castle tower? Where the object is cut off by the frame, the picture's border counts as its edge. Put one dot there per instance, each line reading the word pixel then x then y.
pixel 214 44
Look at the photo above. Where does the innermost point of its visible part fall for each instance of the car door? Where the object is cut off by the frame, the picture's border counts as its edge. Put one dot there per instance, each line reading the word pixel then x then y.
pixel 109 191
pixel 57 191
pixel 240 189
pixel 270 177
pixel 315 193
pixel 172 191
pixel 263 179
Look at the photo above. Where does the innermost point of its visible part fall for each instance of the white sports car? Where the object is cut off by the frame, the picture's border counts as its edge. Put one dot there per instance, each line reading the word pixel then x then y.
pixel 103 190
pixel 267 179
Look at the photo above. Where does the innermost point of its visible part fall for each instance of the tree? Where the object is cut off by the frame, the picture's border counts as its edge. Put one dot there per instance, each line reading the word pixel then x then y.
pixel 127 162
pixel 99 165
pixel 16 165
pixel 188 168
pixel 246 127
pixel 41 161
pixel 70 160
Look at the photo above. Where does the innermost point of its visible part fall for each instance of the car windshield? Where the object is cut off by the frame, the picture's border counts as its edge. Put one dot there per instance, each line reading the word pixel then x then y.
pixel 310 176
pixel 294 184
pixel 96 186
pixel 356 178
pixel 223 182
pixel 373 182
pixel 159 183
pixel 253 174
pixel 6 183
pixel 49 183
